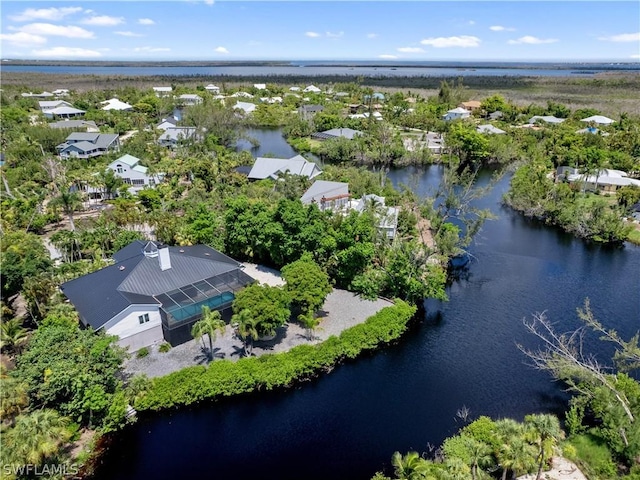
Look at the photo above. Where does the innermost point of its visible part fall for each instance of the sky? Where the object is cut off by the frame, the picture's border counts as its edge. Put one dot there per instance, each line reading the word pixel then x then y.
pixel 328 30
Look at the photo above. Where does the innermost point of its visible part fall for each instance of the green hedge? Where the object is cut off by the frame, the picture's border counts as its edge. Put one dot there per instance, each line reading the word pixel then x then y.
pixel 225 378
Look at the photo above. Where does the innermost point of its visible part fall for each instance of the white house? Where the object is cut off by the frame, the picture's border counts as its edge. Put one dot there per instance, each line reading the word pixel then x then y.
pixel 128 168
pixel 212 88
pixel 154 293
pixel 546 119
pixel 488 128
pixel 190 99
pixel 246 107
pixel 598 119
pixel 260 86
pixel 169 122
pixel 312 89
pixel 115 104
pixel 271 100
pixel 241 95
pixel 162 91
pixel 327 195
pixel 458 113
pixel 61 92
pixel 60 109
pixel 606 180
pixel 266 167
pixel 387 216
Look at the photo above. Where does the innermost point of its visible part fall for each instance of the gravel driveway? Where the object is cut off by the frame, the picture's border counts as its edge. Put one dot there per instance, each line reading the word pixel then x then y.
pixel 340 311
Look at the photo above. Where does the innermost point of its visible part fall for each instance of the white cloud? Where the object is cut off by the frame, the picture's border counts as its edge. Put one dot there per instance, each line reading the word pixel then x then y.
pixel 471 22
pixel 209 2
pixel 151 49
pixel 410 49
pixel 372 35
pixel 635 55
pixel 530 40
pixel 335 34
pixel 45 14
pixel 623 37
pixel 312 34
pixel 146 21
pixel 387 57
pixel 103 21
pixel 23 39
pixel 463 41
pixel 48 29
pixel 67 52
pixel 500 28
pixel 221 50
pixel 129 34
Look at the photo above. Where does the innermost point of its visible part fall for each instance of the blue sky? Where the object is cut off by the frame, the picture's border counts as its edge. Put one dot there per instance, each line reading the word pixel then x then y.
pixel 328 30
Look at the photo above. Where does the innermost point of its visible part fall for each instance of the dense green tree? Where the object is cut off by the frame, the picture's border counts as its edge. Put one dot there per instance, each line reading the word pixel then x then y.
pixel 307 284
pixel 546 431
pixel 74 371
pixel 21 255
pixel 269 305
pixel 210 324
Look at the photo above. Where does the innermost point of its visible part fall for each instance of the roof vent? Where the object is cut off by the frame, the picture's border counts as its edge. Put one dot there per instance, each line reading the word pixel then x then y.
pixel 182 250
pixel 207 253
pixel 121 267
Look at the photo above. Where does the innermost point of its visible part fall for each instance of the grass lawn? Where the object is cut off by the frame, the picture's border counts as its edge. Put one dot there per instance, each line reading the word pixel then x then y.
pixel 634 236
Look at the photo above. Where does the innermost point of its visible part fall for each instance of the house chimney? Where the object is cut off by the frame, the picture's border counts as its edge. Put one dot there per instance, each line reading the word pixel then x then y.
pixel 164 258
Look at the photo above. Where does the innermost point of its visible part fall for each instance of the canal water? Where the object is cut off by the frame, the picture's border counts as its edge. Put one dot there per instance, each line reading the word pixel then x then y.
pixel 347 424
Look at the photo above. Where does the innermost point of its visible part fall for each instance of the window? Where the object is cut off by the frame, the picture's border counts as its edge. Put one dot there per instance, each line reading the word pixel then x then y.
pixel 143 318
pixel 119 169
pixel 137 181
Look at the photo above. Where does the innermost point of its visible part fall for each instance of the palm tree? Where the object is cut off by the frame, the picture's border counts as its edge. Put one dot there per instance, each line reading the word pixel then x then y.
pixel 409 467
pixel 69 202
pixel 479 454
pixel 12 334
pixel 516 455
pixel 210 323
pixel 13 397
pixel 546 431
pixel 36 436
pixel 110 182
pixel 247 326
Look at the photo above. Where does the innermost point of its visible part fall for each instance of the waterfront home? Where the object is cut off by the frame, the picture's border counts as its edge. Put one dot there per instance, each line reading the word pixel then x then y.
pixel 245 107
pixel 59 109
pixel 605 181
pixel 162 91
pixel 598 119
pixel 88 145
pixel 265 167
pixel 189 99
pixel 169 122
pixel 128 168
pixel 430 140
pixel 86 125
pixel 173 136
pixel 115 104
pixel 311 89
pixel 212 88
pixel 546 119
pixel 458 113
pixel 154 293
pixel 327 195
pixel 347 133
pixel 488 128
pixel 387 217
pixel 471 105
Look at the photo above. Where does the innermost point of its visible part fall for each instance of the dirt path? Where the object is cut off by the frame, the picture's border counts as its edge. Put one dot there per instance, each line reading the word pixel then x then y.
pixel 562 469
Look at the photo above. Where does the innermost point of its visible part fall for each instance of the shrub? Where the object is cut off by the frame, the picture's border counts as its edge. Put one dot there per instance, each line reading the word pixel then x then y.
pixel 164 347
pixel 143 352
pixel 592 455
pixel 225 378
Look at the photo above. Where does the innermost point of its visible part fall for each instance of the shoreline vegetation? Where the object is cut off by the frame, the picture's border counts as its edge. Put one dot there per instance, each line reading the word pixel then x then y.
pixel 204 200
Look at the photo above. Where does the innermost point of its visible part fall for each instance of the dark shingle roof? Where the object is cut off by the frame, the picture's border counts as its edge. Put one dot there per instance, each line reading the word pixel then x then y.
pixel 135 278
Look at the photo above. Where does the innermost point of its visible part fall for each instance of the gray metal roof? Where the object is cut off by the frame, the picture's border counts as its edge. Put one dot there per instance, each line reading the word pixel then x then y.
pixel 324 188
pixel 73 124
pixel 83 136
pixel 173 134
pixel 136 278
pixel 272 167
pixel 338 132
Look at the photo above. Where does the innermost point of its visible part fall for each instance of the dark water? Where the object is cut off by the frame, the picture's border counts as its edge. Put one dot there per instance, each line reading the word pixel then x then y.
pixel 270 142
pixel 346 425
pixel 309 69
